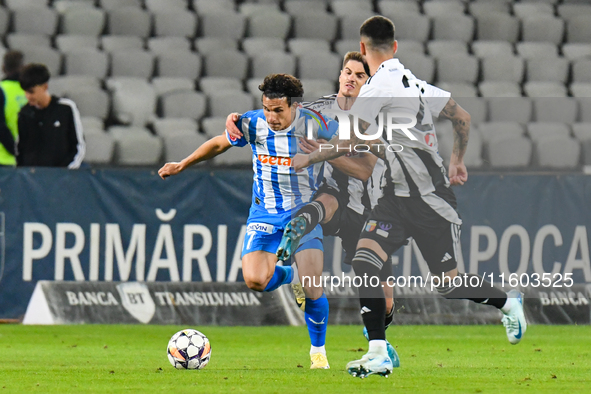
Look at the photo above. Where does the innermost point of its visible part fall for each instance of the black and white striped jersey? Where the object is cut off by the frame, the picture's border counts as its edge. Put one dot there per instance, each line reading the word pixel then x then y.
pixel 361 196
pixel 394 96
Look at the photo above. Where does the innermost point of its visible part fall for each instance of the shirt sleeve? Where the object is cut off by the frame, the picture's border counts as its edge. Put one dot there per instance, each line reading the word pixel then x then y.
pixel 435 98
pixel 242 124
pixel 77 148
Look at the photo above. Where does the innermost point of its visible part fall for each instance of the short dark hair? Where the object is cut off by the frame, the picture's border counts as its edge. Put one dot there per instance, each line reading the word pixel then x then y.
pixel 32 75
pixel 358 57
pixel 380 31
pixel 281 85
pixel 12 62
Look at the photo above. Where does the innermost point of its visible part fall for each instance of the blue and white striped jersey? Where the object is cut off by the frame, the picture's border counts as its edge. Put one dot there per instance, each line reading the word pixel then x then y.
pixel 277 189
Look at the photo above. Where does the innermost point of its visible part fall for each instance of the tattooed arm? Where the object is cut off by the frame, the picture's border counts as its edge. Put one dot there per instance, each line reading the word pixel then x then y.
pixel 460 120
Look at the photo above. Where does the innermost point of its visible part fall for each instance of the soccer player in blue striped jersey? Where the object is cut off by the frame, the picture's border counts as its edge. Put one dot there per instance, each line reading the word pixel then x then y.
pixel 278 191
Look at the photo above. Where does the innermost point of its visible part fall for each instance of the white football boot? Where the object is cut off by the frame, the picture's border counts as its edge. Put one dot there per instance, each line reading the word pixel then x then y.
pixel 514 319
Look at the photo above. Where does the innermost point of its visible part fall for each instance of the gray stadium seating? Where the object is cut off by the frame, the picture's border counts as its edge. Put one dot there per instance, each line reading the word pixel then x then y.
pixel 510 109
pixel 499 89
pixel 175 22
pixel 184 104
pixel 46 55
pixel 456 27
pixel 315 25
pixel 563 110
pixel 344 8
pixel 181 144
pixel 165 85
pixel 23 40
pixel 558 152
pixel 319 65
pixel 578 29
pixel 492 48
pixel 92 123
pixel 533 50
pixel 61 6
pixel 459 89
pixel 132 63
pixel 223 25
pixel 100 147
pixel 503 69
pixel 225 102
pixel 344 46
pixel 226 63
pixel 83 21
pixel 300 46
pixel 315 88
pixel 407 46
pixel 569 11
pixel 350 24
pixel 492 131
pixel 582 131
pixel 134 100
pixel 440 48
pixel 423 66
pixel 113 4
pixel 89 62
pixel 4 19
pixel 545 89
pixel 524 10
pixel 13 4
pixel 496 26
pixel 444 8
pixel 272 24
pixel 159 45
pixel 547 69
pixel 575 51
pixel 178 63
pixel 543 28
pixel 479 8
pixel 250 9
pixel 208 6
pixel 91 101
pixel 129 21
pixel 413 26
pixel 513 152
pixel 255 46
pixel 581 89
pixel 35 20
pixel 582 70
pixel 167 126
pixel 217 84
pixel 135 146
pixel 538 131
pixel 457 68
pixel 113 43
pixel 154 5
pixel 70 42
pixel 212 44
pixel 60 85
pixel 214 126
pixel 584 109
pixel 294 7
pixel 392 8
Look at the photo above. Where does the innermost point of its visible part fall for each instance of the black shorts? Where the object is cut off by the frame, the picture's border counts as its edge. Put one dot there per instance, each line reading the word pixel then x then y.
pixel 435 227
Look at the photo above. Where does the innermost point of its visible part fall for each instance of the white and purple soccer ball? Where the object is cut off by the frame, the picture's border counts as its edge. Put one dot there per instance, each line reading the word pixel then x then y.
pixel 189 349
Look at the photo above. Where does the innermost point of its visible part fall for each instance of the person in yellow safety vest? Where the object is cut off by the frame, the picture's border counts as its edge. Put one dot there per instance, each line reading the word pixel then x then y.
pixel 12 99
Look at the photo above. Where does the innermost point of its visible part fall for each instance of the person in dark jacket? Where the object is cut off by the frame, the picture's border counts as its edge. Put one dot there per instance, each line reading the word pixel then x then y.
pixel 50 131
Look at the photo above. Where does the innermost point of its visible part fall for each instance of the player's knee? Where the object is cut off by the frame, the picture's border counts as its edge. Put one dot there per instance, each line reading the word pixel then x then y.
pixel 389 304
pixel 255 281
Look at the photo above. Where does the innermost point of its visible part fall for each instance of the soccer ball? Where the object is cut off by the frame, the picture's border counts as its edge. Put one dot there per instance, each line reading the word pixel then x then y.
pixel 188 349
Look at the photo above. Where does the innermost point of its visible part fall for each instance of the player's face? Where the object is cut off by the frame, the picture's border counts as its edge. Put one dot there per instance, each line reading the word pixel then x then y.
pixel 278 113
pixel 352 77
pixel 36 95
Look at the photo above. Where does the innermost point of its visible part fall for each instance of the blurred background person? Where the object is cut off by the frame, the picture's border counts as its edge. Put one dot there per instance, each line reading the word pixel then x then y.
pixel 12 99
pixel 50 127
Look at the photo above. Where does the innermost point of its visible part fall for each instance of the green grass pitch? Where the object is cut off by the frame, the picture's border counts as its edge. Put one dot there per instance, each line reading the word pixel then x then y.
pixel 468 359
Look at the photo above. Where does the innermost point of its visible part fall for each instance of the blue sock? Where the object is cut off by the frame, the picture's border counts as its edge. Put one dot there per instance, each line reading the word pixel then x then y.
pixel 317 319
pixel 281 276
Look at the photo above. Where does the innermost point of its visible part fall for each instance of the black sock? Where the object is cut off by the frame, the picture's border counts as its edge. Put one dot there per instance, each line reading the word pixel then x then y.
pixel 389 317
pixel 367 264
pixel 313 213
pixel 482 292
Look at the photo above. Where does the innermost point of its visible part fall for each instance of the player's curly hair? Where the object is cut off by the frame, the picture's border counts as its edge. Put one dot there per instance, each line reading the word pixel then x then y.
pixel 281 85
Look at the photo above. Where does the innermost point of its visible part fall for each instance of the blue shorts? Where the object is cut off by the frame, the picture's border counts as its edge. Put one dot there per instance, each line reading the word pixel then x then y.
pixel 266 237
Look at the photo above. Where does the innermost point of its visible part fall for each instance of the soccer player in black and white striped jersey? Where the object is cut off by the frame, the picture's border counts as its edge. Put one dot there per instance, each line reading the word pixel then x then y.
pixel 417 200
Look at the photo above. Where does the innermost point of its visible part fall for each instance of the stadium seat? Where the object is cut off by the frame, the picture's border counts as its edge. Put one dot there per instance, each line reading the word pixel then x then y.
pixel 62 6
pixel 576 51
pixel 211 85
pixel 100 147
pixel 132 63
pixel 86 61
pixel 4 20
pixel 499 89
pixel 300 46
pixel 423 67
pixel 570 11
pixel 113 4
pixel 582 131
pixel 578 29
pixel 35 20
pixel 70 42
pixel 90 101
pixel 60 85
pixel 344 46
pixel 543 28
pixel 252 87
pixel 315 25
pixel 584 108
pixel 208 6
pixel 158 45
pixel 237 157
pixel 345 8
pixel 490 48
pixel 560 109
pixel 558 152
pixel 92 123
pixel 581 89
pixel 114 43
pixel 273 63
pixel 178 63
pixel 459 89
pixel 157 5
pixel 545 89
pixel 250 9
pixel 135 146
pixel 408 46
pixel 14 4
pixel 525 10
pixel 83 21
pixel 225 102
pixel 225 63
pixel 440 48
pixel 478 109
pixel 315 88
pixel 181 144
pixel 547 69
pixel 392 8
pixel 165 85
pixel 582 70
pixel 534 50
pixel 223 25
pixel 184 104
pixel 319 66
pixel 507 152
pixel 457 68
pixel 129 21
pixel 444 8
pixel 495 26
pixel 46 55
pixel 257 45
pixel 510 109
pixel 23 40
pixel 167 126
pixel 175 22
pixel 539 131
pixel 212 44
pixel 458 27
pixel 503 69
pixel 480 8
pixel 214 126
pixel 349 24
pixel 492 131
pixel 134 100
pixel 412 26
pixel 294 7
pixel 272 24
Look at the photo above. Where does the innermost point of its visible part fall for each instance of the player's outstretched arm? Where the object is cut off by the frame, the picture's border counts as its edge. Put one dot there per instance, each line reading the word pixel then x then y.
pixel 460 119
pixel 231 127
pixel 207 151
